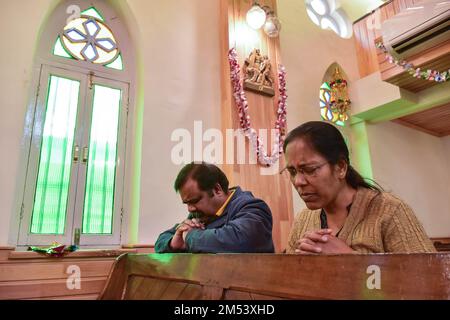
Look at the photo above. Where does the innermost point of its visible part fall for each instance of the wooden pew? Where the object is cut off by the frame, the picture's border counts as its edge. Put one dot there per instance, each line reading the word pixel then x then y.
pixel 278 276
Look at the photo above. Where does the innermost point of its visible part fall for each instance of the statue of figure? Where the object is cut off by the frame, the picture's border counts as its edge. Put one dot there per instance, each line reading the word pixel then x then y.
pixel 254 56
pixel 251 67
pixel 265 76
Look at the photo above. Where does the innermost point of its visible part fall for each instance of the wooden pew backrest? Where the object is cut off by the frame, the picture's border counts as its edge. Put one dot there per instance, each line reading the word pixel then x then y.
pixel 279 276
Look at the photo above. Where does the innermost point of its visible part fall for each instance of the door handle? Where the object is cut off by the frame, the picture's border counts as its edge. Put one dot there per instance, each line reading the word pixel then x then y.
pixel 76 237
pixel 76 153
pixel 85 154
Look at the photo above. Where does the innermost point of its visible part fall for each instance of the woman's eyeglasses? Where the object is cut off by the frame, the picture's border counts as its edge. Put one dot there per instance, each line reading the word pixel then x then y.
pixel 308 171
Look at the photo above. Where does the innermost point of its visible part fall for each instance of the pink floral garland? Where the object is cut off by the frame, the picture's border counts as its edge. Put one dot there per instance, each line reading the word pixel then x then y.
pixel 431 75
pixel 244 117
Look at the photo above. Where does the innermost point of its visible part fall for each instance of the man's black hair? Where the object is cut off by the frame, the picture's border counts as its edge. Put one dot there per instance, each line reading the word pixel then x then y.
pixel 207 176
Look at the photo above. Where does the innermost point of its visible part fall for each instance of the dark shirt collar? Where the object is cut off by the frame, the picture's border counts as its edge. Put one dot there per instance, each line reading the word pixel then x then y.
pixel 324 222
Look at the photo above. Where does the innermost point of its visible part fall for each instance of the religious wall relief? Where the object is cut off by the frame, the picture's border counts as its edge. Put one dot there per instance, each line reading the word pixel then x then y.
pixel 258 75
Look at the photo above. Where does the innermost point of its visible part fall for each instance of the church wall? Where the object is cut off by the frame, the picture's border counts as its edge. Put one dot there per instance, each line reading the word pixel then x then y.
pixel 19 27
pixel 415 167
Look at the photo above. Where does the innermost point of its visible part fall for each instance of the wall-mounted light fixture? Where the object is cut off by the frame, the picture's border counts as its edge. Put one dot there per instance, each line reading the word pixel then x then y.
pixel 256 16
pixel 259 16
pixel 272 26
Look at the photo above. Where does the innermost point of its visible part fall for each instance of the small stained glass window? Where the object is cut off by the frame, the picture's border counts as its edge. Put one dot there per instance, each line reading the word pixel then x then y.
pixel 116 64
pixel 325 106
pixel 88 38
pixel 59 49
pixel 92 12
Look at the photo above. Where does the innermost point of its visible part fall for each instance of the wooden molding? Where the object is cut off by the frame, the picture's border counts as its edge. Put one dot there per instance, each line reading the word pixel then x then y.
pixel 434 121
pixel 441 244
pixel 415 127
pixel 48 288
pixel 7 248
pixel 24 270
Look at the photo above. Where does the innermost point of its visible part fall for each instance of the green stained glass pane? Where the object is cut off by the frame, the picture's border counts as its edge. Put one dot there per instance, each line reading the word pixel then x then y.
pixel 52 187
pixel 99 194
pixel 326 86
pixel 92 12
pixel 116 64
pixel 58 50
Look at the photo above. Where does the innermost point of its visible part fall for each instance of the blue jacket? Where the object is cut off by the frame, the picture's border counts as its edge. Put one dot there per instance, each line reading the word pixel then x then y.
pixel 245 226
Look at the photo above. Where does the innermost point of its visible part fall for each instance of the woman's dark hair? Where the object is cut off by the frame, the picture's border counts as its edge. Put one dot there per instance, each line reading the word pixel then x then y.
pixel 328 141
pixel 207 176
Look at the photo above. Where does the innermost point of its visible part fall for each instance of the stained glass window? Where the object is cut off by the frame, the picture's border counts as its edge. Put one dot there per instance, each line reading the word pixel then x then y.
pixel 326 111
pixel 59 49
pixel 73 171
pixel 92 12
pixel 99 194
pixel 88 38
pixel 116 64
pixel 50 202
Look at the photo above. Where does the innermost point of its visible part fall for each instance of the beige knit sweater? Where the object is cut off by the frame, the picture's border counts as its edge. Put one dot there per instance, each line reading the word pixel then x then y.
pixel 377 223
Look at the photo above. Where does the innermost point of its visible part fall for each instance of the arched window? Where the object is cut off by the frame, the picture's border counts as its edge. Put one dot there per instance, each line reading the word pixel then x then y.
pixel 326 111
pixel 333 100
pixel 326 15
pixel 88 38
pixel 74 183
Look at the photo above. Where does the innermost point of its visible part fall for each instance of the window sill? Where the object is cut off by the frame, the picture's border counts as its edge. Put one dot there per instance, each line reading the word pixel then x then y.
pixel 141 248
pixel 138 246
pixel 82 253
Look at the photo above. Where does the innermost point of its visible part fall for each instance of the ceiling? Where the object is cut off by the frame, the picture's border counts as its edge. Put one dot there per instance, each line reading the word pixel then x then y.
pixel 435 121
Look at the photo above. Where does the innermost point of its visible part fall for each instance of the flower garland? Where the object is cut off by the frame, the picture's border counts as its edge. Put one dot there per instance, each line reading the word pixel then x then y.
pixel 244 117
pixel 431 75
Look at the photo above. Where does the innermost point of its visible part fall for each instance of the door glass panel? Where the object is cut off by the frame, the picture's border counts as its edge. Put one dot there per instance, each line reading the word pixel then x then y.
pixel 99 191
pixel 50 201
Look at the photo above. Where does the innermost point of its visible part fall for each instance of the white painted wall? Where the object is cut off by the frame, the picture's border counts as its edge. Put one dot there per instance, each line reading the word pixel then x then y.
pixel 416 167
pixel 179 39
pixel 16 59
